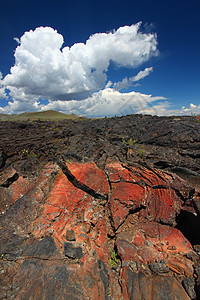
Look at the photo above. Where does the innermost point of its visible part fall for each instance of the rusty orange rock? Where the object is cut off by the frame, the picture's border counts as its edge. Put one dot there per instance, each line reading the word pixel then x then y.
pixel 79 230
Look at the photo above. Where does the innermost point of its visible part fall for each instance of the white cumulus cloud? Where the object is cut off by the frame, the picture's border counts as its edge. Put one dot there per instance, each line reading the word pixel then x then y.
pixel 43 69
pixel 107 102
pixel 165 109
pixel 127 82
pixel 142 74
pixel 193 109
pixel 3 94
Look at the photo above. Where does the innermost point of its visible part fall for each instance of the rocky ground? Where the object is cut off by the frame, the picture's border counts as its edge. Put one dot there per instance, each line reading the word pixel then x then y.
pixel 100 208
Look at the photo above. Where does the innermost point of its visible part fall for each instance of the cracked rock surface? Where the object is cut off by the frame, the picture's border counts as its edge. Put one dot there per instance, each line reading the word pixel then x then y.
pixel 78 222
pixel 57 238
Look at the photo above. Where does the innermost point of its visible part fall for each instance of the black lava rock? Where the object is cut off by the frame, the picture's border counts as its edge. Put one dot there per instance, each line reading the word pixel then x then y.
pixel 71 251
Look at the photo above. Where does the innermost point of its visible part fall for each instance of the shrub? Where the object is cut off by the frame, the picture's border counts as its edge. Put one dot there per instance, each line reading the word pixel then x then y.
pixel 113 258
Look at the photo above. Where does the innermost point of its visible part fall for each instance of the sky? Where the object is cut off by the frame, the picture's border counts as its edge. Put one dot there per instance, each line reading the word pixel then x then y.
pixel 100 58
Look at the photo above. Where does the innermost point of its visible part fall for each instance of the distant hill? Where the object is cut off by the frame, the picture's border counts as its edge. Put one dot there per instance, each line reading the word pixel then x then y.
pixel 43 116
pixel 3 115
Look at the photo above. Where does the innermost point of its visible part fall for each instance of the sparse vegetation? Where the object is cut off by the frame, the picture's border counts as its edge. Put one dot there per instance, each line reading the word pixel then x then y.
pixel 141 151
pixel 26 153
pixel 113 258
pixel 130 142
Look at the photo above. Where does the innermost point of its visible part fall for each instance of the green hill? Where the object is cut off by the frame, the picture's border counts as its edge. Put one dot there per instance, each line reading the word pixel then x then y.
pixel 43 116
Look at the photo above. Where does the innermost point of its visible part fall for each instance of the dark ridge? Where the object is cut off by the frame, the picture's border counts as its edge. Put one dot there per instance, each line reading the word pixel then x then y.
pixel 161 164
pixel 79 184
pixel 10 180
pixel 159 186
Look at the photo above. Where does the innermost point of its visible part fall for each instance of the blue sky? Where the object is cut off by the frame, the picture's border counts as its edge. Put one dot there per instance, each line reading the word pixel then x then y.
pixel 154 70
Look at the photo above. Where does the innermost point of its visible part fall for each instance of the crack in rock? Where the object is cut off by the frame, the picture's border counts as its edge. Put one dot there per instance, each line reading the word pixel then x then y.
pixel 10 180
pixel 79 184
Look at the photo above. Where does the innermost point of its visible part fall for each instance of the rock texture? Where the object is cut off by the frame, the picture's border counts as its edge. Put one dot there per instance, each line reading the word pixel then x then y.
pixel 168 142
pixel 83 233
pixel 118 225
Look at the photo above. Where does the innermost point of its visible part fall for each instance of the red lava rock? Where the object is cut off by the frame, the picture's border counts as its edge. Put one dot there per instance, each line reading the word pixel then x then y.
pixel 142 286
pixel 139 187
pixel 58 236
pixel 15 190
pixel 148 241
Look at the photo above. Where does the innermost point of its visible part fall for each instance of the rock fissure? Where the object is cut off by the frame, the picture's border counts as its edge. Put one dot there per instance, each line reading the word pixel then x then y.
pixel 180 195
pixel 109 210
pixel 10 180
pixel 131 212
pixel 159 187
pixel 79 184
pixel 191 193
pixel 139 183
pixel 113 236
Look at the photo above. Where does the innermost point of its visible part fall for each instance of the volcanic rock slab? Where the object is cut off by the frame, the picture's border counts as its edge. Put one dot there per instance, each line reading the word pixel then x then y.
pixel 80 232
